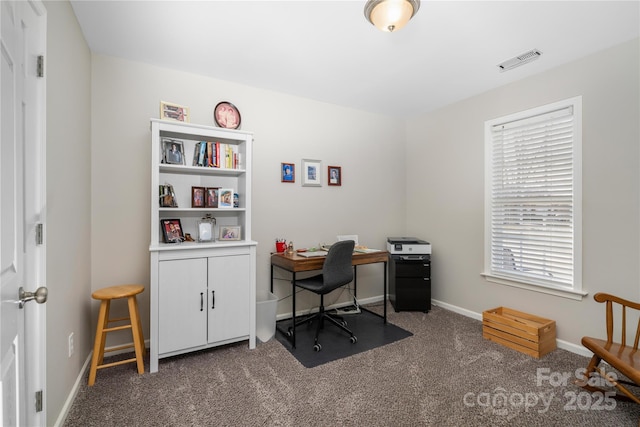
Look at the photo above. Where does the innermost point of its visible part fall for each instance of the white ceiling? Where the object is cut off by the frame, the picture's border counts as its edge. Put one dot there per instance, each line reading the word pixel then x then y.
pixel 326 50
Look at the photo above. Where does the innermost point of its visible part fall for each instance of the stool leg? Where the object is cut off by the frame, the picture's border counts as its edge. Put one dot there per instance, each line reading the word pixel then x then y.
pixel 136 332
pixel 144 348
pixel 98 346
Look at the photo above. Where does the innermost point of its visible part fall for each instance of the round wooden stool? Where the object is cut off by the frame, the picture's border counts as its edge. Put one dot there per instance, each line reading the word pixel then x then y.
pixel 105 295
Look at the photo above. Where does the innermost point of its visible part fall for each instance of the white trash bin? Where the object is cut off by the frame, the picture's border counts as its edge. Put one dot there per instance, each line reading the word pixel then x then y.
pixel 266 308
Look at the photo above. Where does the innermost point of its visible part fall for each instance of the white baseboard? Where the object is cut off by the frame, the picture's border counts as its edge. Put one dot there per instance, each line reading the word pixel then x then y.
pixel 62 416
pixel 72 396
pixel 565 345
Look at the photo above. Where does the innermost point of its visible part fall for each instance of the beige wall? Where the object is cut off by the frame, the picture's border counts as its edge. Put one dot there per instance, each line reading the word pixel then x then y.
pixel 369 148
pixel 445 188
pixel 68 231
pixel 422 176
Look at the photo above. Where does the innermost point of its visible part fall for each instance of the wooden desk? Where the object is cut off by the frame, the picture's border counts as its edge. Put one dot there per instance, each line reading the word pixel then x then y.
pixel 296 263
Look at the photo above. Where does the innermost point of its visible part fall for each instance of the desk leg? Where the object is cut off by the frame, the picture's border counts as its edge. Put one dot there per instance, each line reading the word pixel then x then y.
pixel 384 293
pixel 355 285
pixel 293 303
pixel 271 278
pixel 285 332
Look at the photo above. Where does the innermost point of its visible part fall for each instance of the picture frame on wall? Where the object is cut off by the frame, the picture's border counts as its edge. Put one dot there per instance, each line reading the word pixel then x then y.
pixel 173 151
pixel 311 173
pixel 197 197
pixel 230 232
pixel 287 172
pixel 172 230
pixel 175 112
pixel 334 175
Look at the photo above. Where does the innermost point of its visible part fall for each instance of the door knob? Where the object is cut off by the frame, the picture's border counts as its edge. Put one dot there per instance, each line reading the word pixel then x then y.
pixel 40 295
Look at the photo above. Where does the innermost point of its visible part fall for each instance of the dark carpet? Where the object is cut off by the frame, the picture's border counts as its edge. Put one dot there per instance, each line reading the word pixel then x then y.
pixel 444 375
pixel 369 329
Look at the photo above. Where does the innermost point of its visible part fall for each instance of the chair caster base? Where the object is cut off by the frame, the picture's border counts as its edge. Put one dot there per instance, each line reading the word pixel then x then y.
pixel 353 339
pixel 317 347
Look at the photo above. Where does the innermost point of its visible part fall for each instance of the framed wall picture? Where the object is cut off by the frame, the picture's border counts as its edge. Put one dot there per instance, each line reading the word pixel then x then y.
pixel 230 232
pixel 197 197
pixel 287 172
pixel 211 197
pixel 226 115
pixel 173 151
pixel 170 111
pixel 225 198
pixel 172 230
pixel 334 175
pixel 311 173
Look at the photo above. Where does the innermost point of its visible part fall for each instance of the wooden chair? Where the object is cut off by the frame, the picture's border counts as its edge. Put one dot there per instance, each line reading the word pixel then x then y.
pixel 106 295
pixel 625 358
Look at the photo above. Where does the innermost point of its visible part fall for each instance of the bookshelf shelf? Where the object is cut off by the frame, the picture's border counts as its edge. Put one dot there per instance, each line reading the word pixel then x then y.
pixel 203 294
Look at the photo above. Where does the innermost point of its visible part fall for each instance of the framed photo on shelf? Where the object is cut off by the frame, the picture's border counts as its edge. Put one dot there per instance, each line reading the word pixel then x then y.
pixel 173 151
pixel 311 173
pixel 334 174
pixel 167 196
pixel 230 232
pixel 205 229
pixel 169 111
pixel 225 198
pixel 226 115
pixel 172 230
pixel 211 197
pixel 287 172
pixel 197 197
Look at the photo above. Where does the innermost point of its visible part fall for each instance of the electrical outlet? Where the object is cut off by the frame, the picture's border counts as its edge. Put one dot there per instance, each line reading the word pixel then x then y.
pixel 71 347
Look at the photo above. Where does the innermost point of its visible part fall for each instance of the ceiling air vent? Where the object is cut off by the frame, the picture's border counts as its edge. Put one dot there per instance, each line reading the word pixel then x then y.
pixel 519 60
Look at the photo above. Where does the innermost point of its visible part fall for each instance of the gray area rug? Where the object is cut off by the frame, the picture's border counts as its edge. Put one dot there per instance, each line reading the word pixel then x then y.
pixel 446 374
pixel 369 329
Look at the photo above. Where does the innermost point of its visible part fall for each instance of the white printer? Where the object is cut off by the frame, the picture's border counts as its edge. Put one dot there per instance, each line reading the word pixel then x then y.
pixel 407 246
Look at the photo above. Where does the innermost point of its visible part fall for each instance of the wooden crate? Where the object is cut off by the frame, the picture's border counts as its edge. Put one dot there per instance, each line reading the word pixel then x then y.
pixel 520 331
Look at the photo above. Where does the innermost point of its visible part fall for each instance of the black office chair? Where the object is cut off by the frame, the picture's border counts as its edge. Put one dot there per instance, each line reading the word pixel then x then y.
pixel 336 271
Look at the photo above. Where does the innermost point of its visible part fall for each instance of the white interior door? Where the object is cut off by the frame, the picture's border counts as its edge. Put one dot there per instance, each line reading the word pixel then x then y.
pixel 22 202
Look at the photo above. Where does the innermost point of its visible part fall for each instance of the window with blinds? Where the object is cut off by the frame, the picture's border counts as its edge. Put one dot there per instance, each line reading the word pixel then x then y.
pixel 533 203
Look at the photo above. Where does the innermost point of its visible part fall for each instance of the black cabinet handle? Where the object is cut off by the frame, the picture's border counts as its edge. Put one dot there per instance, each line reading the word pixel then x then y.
pixel 213 299
pixel 201 301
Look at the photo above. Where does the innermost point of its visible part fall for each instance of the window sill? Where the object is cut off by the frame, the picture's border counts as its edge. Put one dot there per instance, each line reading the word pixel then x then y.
pixel 560 292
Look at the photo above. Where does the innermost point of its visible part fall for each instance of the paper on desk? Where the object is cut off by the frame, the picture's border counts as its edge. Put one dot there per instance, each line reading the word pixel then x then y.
pixel 309 254
pixel 366 251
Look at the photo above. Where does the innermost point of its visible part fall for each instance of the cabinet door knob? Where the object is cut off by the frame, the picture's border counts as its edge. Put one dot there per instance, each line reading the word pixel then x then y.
pixel 201 301
pixel 213 299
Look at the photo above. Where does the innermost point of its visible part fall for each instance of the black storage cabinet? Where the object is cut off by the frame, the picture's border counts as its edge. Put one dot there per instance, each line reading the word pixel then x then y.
pixel 410 282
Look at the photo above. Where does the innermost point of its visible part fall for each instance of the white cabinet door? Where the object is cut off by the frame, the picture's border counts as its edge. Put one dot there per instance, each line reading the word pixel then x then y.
pixel 182 301
pixel 229 298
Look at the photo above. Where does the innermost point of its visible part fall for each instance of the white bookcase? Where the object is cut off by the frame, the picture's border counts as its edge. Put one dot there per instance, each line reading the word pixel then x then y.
pixel 203 294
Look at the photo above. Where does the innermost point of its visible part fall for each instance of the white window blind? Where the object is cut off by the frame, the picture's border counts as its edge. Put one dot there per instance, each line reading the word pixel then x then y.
pixel 532 211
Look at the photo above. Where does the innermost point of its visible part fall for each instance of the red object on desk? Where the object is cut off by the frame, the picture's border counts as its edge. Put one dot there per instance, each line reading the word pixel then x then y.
pixel 281 246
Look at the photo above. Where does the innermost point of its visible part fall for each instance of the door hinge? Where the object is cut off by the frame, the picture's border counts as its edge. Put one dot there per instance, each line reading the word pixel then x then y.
pixel 39 401
pixel 40 67
pixel 39 234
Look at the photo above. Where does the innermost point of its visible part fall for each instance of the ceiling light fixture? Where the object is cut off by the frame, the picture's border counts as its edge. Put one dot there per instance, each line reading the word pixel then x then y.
pixel 390 15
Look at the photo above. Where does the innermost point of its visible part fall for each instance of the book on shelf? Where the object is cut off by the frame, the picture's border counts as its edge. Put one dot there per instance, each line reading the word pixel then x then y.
pixel 216 155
